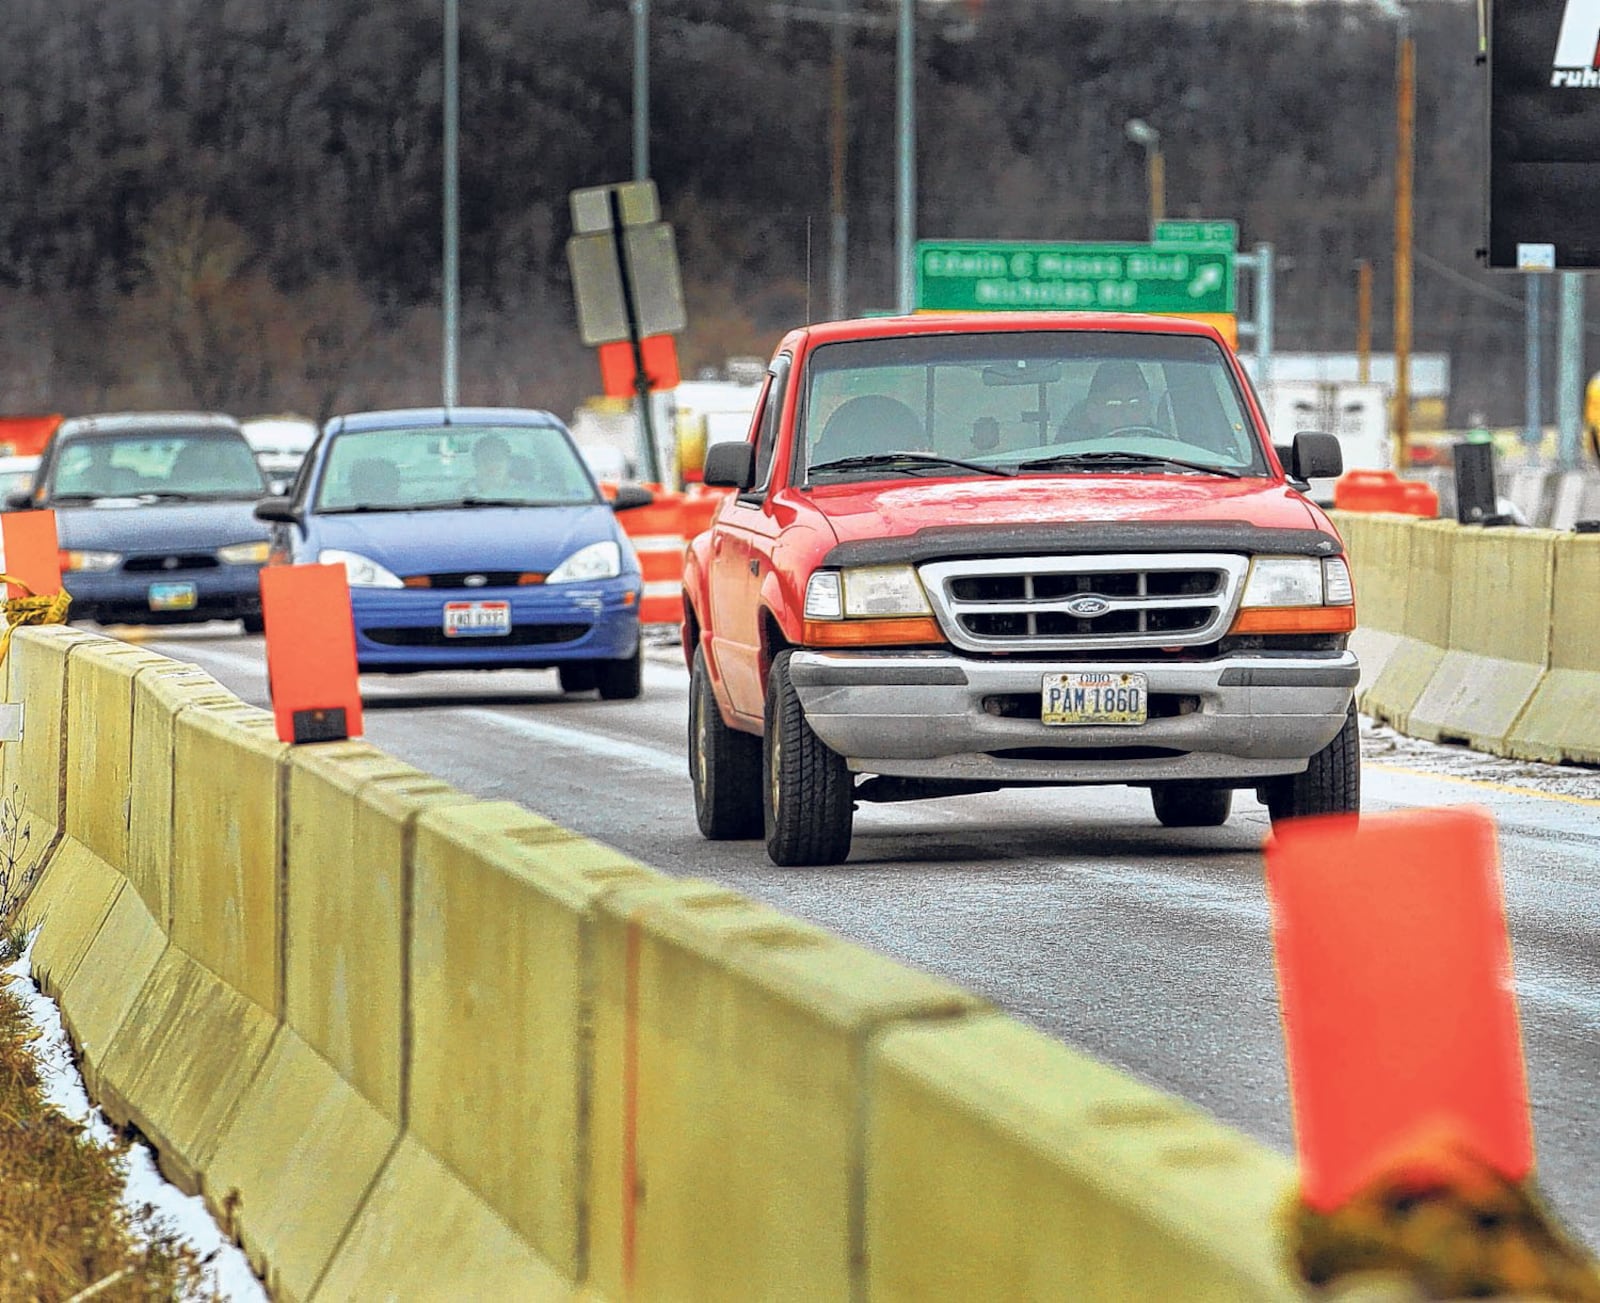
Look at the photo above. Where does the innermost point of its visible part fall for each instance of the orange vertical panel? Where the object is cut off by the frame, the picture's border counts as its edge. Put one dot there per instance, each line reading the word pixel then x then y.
pixel 311 652
pixel 1400 1019
pixel 28 551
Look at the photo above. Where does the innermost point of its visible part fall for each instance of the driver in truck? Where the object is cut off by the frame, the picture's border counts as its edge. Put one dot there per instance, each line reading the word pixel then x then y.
pixel 1118 397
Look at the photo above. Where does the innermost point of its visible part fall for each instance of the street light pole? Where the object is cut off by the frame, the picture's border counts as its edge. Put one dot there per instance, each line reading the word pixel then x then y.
pixel 1142 133
pixel 906 214
pixel 641 90
pixel 452 206
pixel 1405 149
pixel 839 234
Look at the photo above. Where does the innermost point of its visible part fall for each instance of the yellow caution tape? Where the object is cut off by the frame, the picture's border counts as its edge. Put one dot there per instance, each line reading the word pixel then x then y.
pixel 1455 1228
pixel 29 610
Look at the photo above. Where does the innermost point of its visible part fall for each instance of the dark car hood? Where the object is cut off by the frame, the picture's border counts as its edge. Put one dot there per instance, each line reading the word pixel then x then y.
pixel 476 538
pixel 158 526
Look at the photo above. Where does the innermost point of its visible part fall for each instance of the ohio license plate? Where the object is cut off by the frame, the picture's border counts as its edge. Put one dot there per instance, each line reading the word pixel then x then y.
pixel 1095 698
pixel 173 597
pixel 477 619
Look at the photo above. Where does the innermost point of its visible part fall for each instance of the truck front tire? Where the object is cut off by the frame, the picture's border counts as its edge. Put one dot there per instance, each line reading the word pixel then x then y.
pixel 724 766
pixel 1331 783
pixel 808 802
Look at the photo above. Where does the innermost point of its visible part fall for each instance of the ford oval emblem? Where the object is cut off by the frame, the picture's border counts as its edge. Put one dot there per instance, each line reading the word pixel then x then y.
pixel 1088 606
pixel 475 581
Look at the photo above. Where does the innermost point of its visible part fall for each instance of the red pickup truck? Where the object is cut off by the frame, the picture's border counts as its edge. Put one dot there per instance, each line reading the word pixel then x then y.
pixel 968 552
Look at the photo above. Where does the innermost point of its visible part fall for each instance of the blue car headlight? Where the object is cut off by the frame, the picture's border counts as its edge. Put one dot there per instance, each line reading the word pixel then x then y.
pixel 363 572
pixel 597 561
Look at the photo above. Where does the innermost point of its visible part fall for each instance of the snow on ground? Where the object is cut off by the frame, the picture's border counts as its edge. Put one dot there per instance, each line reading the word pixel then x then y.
pixel 1383 746
pixel 227 1271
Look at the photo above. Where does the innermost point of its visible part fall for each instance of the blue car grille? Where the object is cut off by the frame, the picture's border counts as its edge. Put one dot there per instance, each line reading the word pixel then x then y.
pixel 172 561
pixel 526 635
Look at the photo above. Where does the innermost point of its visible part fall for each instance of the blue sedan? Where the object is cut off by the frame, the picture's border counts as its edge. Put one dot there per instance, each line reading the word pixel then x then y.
pixel 473 538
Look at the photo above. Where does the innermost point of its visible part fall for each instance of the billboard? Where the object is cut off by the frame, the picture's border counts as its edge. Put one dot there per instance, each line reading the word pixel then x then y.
pixel 1544 134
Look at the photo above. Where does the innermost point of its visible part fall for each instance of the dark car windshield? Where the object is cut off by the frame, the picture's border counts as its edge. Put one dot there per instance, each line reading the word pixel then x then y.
pixel 455 466
pixel 1160 404
pixel 156 464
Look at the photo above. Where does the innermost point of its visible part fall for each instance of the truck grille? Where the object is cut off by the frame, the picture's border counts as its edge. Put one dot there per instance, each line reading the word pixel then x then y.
pixel 1043 604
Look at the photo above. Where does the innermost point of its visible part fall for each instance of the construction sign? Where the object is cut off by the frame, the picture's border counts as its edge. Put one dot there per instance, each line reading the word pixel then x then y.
pixel 311 653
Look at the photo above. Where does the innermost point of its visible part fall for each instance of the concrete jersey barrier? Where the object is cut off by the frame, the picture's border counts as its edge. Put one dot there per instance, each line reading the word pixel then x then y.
pixel 409 1044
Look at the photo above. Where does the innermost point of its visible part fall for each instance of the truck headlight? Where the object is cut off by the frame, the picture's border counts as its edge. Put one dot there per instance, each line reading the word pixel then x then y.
pixel 362 572
pixel 1284 581
pixel 866 593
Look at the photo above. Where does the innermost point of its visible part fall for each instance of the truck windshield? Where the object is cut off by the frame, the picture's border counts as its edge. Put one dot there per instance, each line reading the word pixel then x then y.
pixel 1016 398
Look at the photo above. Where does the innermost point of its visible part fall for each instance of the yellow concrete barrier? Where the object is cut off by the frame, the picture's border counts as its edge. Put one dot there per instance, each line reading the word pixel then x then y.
pixel 201 1027
pixel 1562 722
pixel 731 1050
pixel 1417 654
pixel 1001 1165
pixel 1500 609
pixel 1379 548
pixel 334 1080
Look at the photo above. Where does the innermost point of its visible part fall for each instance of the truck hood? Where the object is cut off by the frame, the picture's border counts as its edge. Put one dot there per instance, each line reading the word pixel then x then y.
pixel 874 511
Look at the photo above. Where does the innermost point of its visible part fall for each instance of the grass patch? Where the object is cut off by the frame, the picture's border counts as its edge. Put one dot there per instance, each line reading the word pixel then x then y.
pixel 63 1227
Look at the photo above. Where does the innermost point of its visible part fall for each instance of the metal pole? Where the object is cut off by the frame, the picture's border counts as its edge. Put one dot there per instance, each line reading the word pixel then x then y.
pixel 1405 141
pixel 452 231
pixel 1364 321
pixel 1569 370
pixel 1158 187
pixel 839 232
pixel 641 90
pixel 1264 305
pixel 906 217
pixel 1533 385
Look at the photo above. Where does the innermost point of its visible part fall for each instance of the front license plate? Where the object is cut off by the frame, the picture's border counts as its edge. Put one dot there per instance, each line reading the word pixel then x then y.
pixel 477 619
pixel 1095 698
pixel 173 597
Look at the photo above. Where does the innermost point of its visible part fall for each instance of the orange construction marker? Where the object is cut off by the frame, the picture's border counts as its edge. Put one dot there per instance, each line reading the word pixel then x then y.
pixel 311 653
pixel 1399 1015
pixel 28 551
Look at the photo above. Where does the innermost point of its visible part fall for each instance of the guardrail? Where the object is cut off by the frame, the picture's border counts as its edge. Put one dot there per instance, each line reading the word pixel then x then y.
pixel 1481 636
pixel 407 1042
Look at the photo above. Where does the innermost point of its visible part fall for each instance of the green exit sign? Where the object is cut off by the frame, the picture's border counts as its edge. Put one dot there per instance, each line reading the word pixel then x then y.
pixel 1211 235
pixel 1001 276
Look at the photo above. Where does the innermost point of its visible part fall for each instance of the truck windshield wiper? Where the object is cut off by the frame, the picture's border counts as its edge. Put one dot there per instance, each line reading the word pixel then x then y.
pixel 1069 460
pixel 907 461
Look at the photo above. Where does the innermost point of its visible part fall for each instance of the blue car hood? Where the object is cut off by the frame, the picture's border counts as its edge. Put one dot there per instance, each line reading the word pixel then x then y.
pixel 475 538
pixel 159 526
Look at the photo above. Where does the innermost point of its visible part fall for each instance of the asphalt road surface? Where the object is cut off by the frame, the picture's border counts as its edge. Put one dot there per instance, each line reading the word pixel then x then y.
pixel 1073 910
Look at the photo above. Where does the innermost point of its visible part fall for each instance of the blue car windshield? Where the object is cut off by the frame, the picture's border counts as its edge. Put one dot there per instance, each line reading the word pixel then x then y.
pixel 158 465
pixel 444 467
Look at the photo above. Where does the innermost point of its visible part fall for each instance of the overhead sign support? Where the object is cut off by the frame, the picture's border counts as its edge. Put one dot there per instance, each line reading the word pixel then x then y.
pixel 624 265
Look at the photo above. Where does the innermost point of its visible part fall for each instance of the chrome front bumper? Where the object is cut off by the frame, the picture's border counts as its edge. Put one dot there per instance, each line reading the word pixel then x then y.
pixel 922 715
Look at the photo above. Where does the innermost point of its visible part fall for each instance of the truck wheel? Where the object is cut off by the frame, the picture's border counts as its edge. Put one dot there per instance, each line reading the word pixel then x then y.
pixel 807 791
pixel 1189 805
pixel 1331 783
pixel 724 765
pixel 621 680
pixel 576 676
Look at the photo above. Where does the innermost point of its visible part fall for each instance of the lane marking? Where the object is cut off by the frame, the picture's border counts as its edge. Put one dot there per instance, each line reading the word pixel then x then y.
pixel 1484 784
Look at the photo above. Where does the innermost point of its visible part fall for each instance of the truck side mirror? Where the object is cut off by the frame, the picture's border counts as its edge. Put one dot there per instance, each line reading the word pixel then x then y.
pixel 730 466
pixel 1315 456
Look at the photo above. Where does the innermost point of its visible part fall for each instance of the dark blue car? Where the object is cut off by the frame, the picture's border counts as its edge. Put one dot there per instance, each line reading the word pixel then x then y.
pixel 474 538
pixel 155 513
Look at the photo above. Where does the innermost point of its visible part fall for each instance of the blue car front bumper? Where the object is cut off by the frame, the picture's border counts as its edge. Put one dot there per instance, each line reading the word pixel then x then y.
pixel 402 631
pixel 222 592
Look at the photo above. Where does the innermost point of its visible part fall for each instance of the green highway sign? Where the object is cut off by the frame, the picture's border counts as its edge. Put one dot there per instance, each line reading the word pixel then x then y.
pixel 1004 276
pixel 1210 235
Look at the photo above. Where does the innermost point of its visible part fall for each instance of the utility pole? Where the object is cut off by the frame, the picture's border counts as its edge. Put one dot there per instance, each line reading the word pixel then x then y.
pixel 1364 320
pixel 641 90
pixel 906 190
pixel 1569 370
pixel 839 229
pixel 1405 127
pixel 1533 385
pixel 452 203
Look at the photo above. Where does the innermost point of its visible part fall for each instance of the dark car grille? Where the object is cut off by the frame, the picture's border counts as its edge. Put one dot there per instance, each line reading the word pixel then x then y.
pixel 485 578
pixel 172 561
pixel 527 635
pixel 1038 604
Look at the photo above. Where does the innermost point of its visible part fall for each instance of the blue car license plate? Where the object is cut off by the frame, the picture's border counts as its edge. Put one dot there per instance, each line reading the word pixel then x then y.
pixel 477 619
pixel 173 597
